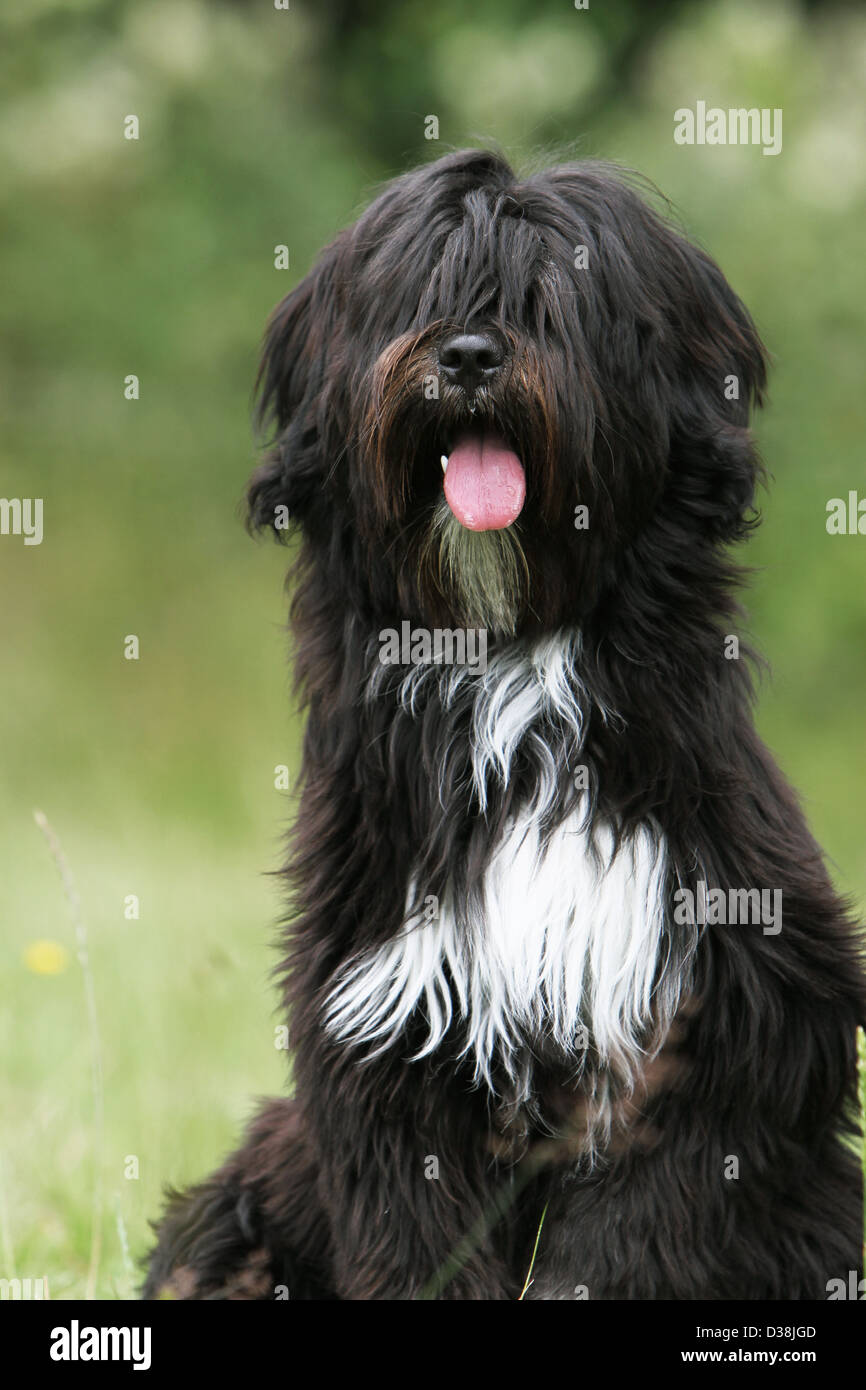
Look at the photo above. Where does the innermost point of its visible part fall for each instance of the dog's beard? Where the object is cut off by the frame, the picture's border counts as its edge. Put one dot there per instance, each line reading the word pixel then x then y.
pixel 482 575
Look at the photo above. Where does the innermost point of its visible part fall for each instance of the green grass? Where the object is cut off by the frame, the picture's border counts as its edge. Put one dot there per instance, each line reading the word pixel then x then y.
pixel 186 1043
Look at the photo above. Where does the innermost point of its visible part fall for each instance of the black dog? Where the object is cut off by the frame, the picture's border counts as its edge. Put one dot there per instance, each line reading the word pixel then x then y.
pixel 558 934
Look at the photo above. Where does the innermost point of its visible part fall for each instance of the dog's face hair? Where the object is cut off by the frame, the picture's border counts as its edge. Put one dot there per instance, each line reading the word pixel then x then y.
pixel 556 325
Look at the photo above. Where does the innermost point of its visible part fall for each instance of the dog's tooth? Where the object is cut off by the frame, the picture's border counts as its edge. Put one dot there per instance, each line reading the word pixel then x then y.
pixel 444 462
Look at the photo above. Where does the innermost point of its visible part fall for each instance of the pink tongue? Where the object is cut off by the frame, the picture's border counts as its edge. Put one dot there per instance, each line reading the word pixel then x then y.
pixel 484 483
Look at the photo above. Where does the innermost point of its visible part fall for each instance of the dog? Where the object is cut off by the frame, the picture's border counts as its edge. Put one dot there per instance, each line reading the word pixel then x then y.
pixel 568 985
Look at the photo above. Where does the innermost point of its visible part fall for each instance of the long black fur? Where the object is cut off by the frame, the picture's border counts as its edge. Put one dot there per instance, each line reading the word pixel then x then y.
pixel 614 397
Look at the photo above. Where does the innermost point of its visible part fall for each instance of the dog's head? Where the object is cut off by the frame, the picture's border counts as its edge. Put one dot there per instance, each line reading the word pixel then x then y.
pixel 488 388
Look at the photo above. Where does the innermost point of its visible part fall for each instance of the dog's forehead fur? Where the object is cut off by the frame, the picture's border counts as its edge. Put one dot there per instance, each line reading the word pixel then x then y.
pixel 476 243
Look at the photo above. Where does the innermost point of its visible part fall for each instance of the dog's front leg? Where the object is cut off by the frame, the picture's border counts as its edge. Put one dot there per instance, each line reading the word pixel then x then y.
pixel 412 1192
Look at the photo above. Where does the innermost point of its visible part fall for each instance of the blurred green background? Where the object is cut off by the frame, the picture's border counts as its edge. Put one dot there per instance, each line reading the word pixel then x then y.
pixel 156 257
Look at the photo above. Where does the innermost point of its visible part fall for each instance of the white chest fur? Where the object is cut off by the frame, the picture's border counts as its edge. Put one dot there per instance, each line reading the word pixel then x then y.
pixel 563 941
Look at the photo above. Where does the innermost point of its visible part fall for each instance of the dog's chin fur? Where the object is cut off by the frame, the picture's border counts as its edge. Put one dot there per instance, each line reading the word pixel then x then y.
pixel 482 575
pixel 495 1009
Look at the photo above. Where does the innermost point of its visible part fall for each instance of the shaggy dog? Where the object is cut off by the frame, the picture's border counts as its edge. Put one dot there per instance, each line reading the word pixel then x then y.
pixel 558 938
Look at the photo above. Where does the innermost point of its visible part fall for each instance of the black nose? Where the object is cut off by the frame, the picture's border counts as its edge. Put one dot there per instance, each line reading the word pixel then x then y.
pixel 467 359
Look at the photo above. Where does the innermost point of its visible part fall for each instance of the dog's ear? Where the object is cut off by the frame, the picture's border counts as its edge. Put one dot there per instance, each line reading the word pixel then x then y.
pixel 677 357
pixel 300 340
pixel 719 374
